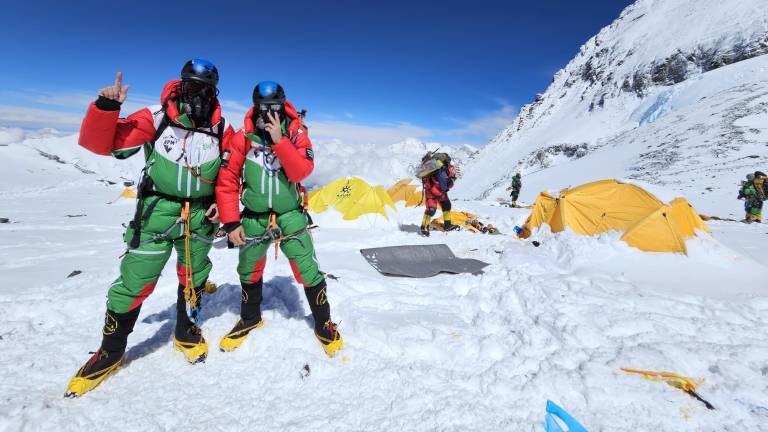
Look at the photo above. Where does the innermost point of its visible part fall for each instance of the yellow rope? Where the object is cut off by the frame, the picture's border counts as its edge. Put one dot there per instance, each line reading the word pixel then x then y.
pixel 273 226
pixel 189 286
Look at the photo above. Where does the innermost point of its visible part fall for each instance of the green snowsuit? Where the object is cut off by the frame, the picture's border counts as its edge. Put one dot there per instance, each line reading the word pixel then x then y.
pixel 182 164
pixel 515 188
pixel 269 174
pixel 754 195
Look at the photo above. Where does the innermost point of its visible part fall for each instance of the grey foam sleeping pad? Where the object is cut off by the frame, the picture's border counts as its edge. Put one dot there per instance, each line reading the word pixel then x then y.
pixel 419 261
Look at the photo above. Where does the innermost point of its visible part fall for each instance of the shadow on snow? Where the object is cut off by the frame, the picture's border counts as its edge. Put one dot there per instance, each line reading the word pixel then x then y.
pixel 280 294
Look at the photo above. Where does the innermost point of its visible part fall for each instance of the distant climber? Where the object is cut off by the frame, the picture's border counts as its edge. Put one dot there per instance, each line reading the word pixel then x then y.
pixel 437 174
pixel 514 189
pixel 753 193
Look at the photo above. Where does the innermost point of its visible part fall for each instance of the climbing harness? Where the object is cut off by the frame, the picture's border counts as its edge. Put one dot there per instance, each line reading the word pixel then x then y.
pixel 275 234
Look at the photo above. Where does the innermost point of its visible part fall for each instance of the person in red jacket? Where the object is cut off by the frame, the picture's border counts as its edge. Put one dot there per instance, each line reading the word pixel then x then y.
pixel 182 140
pixel 436 186
pixel 269 158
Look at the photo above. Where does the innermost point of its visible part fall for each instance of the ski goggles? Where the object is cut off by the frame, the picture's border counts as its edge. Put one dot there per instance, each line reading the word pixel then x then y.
pixel 194 88
pixel 269 107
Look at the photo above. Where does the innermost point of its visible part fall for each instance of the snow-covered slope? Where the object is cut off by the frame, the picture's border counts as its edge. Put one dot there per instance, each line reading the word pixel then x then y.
pixel 447 353
pixel 673 92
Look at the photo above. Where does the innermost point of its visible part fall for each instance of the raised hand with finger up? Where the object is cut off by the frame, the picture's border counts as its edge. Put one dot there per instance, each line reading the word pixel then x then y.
pixel 117 92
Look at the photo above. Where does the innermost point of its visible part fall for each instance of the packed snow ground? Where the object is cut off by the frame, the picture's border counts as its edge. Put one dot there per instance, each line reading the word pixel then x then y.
pixel 447 353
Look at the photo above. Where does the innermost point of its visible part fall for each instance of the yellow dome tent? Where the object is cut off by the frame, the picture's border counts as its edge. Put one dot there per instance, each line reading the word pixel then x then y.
pixel 405 191
pixel 352 197
pixel 597 207
pixel 318 202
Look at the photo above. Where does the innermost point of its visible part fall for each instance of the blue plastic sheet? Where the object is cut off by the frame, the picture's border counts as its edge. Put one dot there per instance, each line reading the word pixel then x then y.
pixel 555 412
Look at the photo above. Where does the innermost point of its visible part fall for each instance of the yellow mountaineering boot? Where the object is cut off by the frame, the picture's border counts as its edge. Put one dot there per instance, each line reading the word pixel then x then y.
pixel 191 343
pixel 424 229
pixel 94 371
pixel 250 316
pixel 330 338
pixel 232 340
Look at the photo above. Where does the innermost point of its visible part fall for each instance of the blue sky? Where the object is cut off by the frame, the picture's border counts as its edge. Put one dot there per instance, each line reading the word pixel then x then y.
pixel 447 71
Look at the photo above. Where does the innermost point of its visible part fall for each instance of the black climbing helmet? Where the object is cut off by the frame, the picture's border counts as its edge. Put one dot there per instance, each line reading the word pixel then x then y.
pixel 268 93
pixel 200 70
pixel 759 174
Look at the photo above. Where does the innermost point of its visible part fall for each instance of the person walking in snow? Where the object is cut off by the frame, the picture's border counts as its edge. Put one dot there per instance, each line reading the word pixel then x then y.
pixel 753 193
pixel 182 140
pixel 436 184
pixel 270 156
pixel 514 189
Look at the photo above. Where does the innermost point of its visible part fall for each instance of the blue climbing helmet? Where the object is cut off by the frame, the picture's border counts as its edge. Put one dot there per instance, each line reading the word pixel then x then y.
pixel 267 93
pixel 200 70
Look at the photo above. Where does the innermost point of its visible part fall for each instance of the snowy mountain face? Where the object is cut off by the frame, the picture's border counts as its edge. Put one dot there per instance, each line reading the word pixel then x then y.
pixel 676 89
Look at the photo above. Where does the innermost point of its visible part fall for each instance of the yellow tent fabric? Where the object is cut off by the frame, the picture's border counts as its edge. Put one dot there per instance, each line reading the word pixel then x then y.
pixel 673 379
pixel 605 205
pixel 373 200
pixel 415 199
pixel 403 190
pixel 352 196
pixel 318 202
pixel 457 218
pixel 656 233
pixel 128 193
pixel 685 217
pixel 542 212
pixel 397 188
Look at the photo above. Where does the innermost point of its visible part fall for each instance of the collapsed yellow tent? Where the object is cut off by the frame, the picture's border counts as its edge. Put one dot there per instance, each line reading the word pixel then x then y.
pixel 352 197
pixel 457 218
pixel 403 190
pixel 597 207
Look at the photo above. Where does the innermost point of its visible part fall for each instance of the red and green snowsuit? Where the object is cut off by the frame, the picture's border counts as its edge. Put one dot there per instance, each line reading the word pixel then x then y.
pixel 269 175
pixel 181 166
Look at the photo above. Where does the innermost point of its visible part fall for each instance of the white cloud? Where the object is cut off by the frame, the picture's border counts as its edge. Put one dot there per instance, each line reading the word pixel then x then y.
pixel 352 133
pixel 33 109
pixel 75 100
pixel 485 125
pixel 35 118
pixel 11 135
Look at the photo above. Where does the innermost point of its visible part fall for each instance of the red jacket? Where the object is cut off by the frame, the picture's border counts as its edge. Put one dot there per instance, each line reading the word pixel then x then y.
pixel 294 152
pixel 432 192
pixel 103 132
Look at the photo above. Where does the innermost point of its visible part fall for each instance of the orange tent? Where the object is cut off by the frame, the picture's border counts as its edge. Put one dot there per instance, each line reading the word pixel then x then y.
pixel 597 207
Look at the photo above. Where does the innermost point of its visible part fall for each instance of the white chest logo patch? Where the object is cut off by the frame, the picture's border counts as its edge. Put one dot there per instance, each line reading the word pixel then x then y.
pixel 169 141
pixel 265 157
